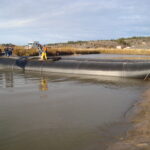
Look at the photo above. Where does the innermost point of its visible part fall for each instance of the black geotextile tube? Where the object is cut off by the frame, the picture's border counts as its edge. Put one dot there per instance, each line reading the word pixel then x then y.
pixel 107 67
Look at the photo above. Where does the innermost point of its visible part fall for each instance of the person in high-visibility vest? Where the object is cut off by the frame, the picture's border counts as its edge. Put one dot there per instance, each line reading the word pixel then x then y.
pixel 44 53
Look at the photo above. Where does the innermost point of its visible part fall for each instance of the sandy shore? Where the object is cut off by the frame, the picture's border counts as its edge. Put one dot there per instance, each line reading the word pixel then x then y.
pixel 138 138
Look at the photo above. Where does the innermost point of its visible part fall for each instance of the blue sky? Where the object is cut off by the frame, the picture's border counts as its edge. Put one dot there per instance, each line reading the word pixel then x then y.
pixel 50 21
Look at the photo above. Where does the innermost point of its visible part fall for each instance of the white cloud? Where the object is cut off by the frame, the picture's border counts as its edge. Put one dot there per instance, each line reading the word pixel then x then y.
pixel 15 23
pixel 59 20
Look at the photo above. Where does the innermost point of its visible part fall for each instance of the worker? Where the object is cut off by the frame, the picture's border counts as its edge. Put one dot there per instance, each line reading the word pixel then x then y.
pixel 39 46
pixel 10 51
pixel 44 53
pixel 6 50
pixel 0 51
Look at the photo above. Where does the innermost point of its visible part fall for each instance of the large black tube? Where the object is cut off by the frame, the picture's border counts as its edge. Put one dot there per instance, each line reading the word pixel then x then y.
pixel 105 67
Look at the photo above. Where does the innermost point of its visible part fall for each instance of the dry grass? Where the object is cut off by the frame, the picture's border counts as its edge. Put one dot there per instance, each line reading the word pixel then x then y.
pixel 70 50
pixel 126 51
pixel 1 47
pixel 21 51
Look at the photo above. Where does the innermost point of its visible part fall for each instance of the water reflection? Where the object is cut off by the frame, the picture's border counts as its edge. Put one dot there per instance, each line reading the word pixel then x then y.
pixel 43 85
pixel 8 80
pixel 63 112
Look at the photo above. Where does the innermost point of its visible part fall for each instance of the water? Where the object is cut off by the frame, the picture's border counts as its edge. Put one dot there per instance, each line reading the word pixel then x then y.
pixel 112 56
pixel 53 112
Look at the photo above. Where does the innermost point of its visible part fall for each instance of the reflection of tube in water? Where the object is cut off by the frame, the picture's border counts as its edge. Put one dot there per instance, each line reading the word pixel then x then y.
pixel 43 85
pixel 9 81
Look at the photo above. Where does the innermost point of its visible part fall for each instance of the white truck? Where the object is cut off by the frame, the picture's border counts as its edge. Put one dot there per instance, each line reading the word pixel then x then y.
pixel 33 44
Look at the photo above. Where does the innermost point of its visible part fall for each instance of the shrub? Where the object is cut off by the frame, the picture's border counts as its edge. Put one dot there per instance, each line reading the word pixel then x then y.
pixel 122 41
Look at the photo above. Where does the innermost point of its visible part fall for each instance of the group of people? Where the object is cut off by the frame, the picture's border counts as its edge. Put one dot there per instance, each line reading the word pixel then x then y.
pixel 8 51
pixel 42 52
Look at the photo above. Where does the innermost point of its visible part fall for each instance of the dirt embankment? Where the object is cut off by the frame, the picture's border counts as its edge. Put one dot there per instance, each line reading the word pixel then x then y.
pixel 133 43
pixel 138 138
pixel 130 46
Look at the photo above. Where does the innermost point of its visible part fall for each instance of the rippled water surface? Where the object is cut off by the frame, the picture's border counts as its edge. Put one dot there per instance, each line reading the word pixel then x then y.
pixel 53 112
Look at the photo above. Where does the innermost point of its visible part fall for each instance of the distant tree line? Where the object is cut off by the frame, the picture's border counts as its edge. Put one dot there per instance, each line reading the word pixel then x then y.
pixel 121 41
pixel 76 42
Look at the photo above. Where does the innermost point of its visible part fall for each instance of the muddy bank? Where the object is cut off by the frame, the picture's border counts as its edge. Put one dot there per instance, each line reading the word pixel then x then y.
pixel 138 138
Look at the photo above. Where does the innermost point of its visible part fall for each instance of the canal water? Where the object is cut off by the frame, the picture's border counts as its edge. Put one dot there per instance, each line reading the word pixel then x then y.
pixel 53 112
pixel 112 56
